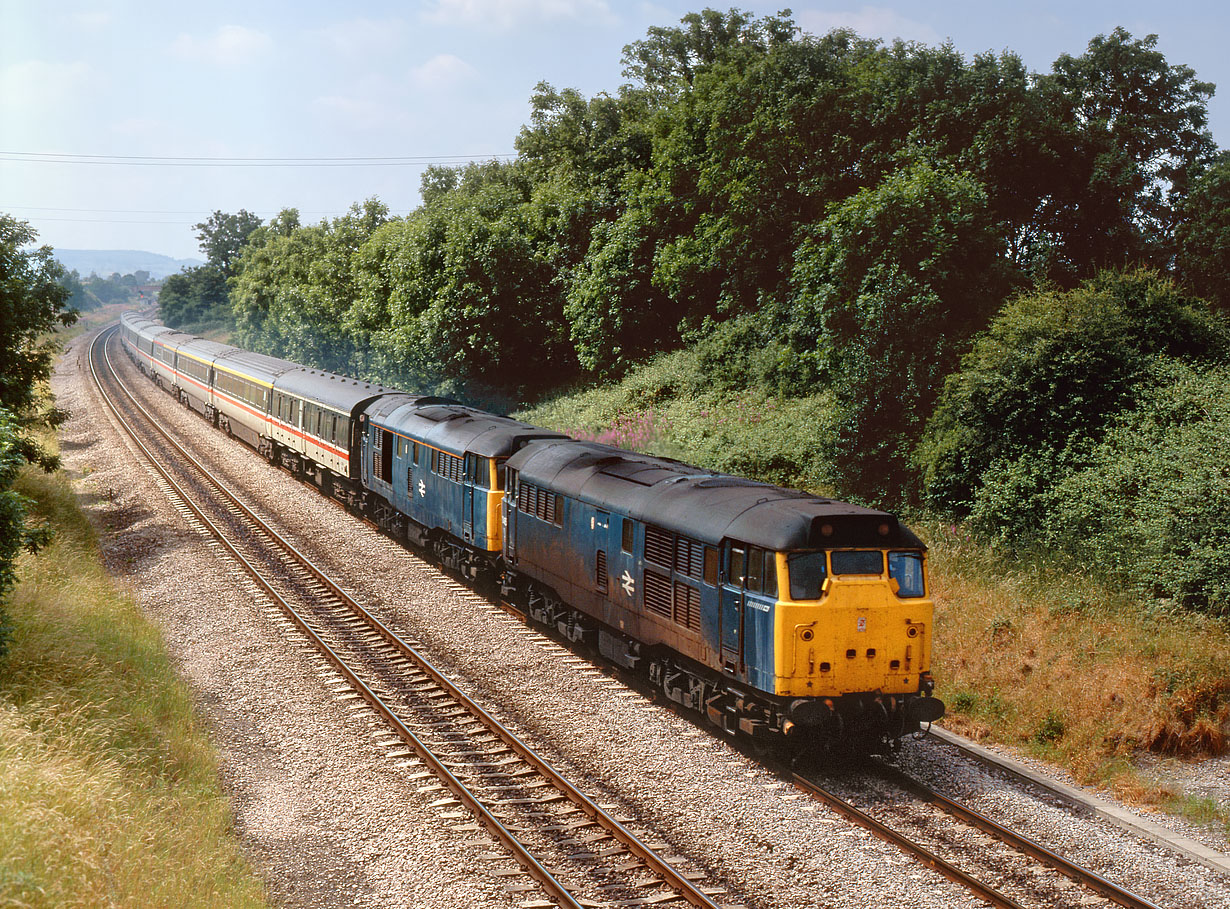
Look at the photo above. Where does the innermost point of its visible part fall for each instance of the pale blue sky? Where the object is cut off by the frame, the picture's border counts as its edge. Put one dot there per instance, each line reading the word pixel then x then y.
pixel 431 79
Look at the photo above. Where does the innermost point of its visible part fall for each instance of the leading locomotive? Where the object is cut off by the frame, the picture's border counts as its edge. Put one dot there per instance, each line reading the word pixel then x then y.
pixel 772 612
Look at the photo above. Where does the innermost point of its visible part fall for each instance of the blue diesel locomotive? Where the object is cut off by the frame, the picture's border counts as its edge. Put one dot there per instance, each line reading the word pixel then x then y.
pixel 773 612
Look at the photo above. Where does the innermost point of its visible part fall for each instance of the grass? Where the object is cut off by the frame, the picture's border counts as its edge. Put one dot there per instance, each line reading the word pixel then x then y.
pixel 667 408
pixel 109 789
pixel 1026 653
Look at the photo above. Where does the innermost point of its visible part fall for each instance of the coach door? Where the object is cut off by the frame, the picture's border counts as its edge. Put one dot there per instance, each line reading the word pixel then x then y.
pixel 733 597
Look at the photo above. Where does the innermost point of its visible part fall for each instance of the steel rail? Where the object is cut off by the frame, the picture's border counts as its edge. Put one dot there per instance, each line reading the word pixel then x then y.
pixel 554 888
pixel 673 878
pixel 1084 876
pixel 905 844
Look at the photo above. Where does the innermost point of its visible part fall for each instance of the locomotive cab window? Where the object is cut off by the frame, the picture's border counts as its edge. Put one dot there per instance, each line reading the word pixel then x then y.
pixel 847 561
pixel 807 571
pixel 907 569
pixel 626 539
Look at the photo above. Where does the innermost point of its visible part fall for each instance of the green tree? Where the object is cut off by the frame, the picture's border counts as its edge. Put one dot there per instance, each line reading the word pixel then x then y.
pixel 1139 128
pixel 1202 234
pixel 223 235
pixel 888 291
pixel 33 303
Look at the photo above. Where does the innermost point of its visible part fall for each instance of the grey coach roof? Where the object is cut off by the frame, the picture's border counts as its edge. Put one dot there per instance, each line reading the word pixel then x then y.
pixel 340 393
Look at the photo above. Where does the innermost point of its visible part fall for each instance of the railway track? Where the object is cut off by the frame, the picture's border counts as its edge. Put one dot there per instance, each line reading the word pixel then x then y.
pixel 1031 885
pixel 557 842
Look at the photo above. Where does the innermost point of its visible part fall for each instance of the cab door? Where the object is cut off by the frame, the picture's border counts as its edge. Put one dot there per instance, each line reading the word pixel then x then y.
pixel 733 603
pixel 467 497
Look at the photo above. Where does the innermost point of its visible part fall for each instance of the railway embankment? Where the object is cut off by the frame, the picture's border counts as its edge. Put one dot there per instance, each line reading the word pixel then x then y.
pixel 109 786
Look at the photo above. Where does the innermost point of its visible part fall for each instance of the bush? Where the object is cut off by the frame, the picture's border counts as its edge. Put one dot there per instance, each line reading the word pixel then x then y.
pixel 1051 372
pixel 1152 505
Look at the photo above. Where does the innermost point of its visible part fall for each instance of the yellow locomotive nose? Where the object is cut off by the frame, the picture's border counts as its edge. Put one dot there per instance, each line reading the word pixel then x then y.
pixel 859 635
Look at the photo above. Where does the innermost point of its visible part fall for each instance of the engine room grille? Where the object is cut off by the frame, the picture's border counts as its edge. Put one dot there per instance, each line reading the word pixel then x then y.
pixel 600 576
pixel 540 503
pixel 448 466
pixel 687 606
pixel 658 594
pixel 659 546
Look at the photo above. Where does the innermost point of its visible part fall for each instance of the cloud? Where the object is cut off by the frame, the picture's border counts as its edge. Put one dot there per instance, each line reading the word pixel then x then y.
pixel 869 22
pixel 91 20
pixel 230 45
pixel 40 83
pixel 371 103
pixel 442 71
pixel 362 36
pixel 510 13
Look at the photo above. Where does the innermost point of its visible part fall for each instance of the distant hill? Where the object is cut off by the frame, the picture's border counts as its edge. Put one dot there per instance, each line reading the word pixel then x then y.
pixel 105 262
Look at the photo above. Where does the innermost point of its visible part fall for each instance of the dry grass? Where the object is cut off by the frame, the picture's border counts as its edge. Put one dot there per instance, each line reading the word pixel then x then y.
pixel 1033 656
pixel 109 793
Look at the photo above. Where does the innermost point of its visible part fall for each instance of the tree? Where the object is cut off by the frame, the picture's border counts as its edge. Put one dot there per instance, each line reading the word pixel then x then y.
pixel 222 236
pixel 1138 127
pixel 33 303
pixel 1041 384
pixel 888 291
pixel 1202 234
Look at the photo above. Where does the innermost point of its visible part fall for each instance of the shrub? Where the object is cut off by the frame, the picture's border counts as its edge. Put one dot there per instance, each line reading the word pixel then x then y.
pixel 1049 374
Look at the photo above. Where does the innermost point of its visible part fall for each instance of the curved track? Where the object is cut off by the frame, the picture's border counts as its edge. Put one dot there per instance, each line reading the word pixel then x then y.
pixel 577 853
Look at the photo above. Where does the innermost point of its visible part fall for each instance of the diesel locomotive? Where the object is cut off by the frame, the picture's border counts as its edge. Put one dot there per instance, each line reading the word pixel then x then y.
pixel 773 612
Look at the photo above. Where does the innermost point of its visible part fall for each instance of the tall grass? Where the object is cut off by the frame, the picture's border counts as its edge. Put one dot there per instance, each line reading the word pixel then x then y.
pixel 109 789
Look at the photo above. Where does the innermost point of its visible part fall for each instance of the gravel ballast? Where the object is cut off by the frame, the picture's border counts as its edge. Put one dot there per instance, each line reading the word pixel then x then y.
pixel 331 821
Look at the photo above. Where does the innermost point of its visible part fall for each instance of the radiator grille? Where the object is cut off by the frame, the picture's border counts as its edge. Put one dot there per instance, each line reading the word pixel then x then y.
pixel 659 546
pixel 600 576
pixel 658 594
pixel 687 606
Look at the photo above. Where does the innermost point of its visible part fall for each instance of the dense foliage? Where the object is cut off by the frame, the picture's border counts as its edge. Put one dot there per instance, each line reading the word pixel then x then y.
pixel 198 298
pixel 94 291
pixel 1079 422
pixel 820 219
pixel 32 304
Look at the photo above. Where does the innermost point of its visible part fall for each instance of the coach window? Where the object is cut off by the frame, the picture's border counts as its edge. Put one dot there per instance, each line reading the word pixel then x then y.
pixel 628 529
pixel 333 430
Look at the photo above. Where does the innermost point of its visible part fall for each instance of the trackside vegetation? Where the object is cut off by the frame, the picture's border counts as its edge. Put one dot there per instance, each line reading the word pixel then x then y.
pixel 991 299
pixel 109 788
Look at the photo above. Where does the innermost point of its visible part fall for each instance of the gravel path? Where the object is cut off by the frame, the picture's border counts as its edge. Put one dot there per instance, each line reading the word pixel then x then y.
pixel 331 821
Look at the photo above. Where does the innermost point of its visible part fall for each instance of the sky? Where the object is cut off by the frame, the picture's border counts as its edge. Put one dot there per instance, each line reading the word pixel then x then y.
pixel 122 124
